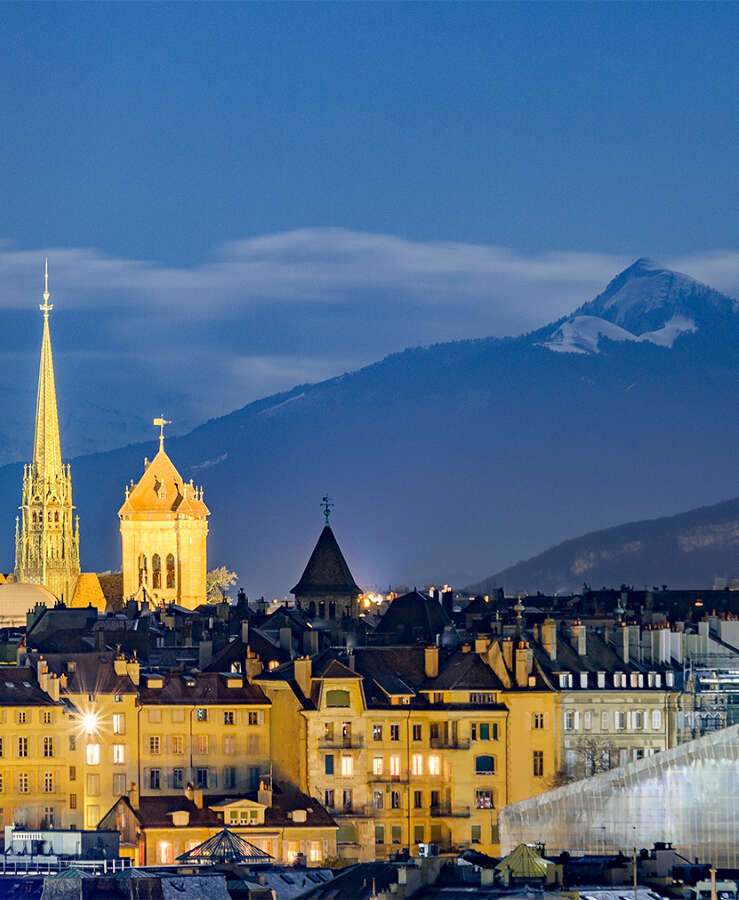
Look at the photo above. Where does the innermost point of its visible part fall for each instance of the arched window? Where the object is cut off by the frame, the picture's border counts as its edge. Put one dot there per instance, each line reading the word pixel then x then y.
pixel 34 516
pixel 142 569
pixel 484 765
pixel 170 570
pixel 156 571
pixel 321 609
pixel 332 610
pixel 56 516
pixel 312 608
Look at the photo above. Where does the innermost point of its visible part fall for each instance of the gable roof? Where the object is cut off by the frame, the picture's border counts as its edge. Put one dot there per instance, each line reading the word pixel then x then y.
pixel 327 571
pixel 162 490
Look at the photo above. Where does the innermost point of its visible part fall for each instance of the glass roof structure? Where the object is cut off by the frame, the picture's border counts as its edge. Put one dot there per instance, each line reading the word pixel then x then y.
pixel 225 847
pixel 688 795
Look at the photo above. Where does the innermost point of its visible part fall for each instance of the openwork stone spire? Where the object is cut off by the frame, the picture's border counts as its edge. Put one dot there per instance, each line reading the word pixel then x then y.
pixel 46 539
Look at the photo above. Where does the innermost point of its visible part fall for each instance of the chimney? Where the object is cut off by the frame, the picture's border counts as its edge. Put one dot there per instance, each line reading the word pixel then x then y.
pixel 245 632
pixel 524 664
pixel 466 647
pixel 447 602
pixel 52 687
pixel 624 648
pixel 205 654
pixel 549 638
pixel 119 664
pixel 197 797
pixel 303 668
pixel 507 647
pixel 264 794
pixel 286 640
pixel 133 669
pixel 579 638
pixel 133 795
pixel 481 644
pixel 189 792
pixel 431 662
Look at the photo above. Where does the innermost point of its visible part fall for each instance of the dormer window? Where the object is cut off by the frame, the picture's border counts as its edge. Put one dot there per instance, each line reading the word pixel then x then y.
pixel 601 679
pixel 565 679
pixel 583 679
pixel 670 679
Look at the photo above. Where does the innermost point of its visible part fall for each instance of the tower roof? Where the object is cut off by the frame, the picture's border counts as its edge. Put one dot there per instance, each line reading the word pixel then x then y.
pixel 327 571
pixel 162 490
pixel 47 454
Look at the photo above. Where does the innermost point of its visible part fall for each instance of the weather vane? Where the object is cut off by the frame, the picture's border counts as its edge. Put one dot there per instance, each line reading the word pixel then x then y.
pixel 327 503
pixel 161 422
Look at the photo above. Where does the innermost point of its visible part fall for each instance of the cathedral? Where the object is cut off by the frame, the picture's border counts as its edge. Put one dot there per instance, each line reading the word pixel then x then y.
pixel 47 541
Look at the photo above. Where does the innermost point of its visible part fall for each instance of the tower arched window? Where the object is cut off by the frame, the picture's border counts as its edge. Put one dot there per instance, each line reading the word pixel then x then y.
pixel 142 569
pixel 156 571
pixel 56 515
pixel 170 570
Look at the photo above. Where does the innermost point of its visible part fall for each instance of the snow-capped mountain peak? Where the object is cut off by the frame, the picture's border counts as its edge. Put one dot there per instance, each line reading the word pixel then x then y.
pixel 582 334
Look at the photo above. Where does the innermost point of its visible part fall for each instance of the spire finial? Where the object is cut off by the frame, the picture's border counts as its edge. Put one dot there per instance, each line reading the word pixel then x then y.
pixel 327 504
pixel 46 307
pixel 161 422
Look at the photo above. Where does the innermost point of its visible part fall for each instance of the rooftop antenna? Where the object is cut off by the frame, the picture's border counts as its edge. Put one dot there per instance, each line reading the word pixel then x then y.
pixel 161 422
pixel 327 503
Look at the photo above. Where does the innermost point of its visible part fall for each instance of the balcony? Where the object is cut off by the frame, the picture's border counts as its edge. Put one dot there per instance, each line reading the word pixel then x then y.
pixel 386 779
pixel 450 811
pixel 352 742
pixel 442 743
pixel 366 811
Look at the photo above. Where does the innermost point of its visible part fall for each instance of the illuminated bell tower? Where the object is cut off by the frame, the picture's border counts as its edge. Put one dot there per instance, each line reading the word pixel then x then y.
pixel 47 546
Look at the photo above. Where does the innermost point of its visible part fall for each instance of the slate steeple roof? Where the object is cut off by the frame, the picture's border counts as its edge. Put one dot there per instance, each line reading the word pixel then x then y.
pixel 327 571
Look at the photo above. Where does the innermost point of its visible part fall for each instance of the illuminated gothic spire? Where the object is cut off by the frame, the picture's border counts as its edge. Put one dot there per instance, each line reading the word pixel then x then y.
pixel 47 454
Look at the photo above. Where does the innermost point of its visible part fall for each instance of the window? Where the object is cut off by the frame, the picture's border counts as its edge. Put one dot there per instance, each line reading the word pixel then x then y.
pixel 395 766
pixel 48 747
pixel 476 834
pixel 619 719
pixel 48 782
pixel 73 801
pixel 1 746
pixel 483 698
pixel 165 853
pixel 201 714
pixel 23 783
pixel 379 834
pixel 395 732
pixel 328 731
pixel 73 773
pixel 252 744
pixel 656 718
pixel 229 744
pixel 604 717
pixel 346 799
pixel 178 715
pixel 154 745
pixel 347 766
pixel 119 784
pixel 328 764
pixel 601 679
pixel 155 779
pixel 47 718
pixel 569 721
pixel 170 570
pixel 155 714
pixel 638 719
pixel 484 731
pixel 538 763
pixel 92 816
pixel 228 717
pixel 156 571
pixel 93 785
pixel 255 718
pixel 328 798
pixel 484 765
pixel 337 698
pixel 378 799
pixel 178 778
pixel 377 732
pixel 229 777
pixel 394 799
pixel 377 765
pixel 201 744
pixel 119 754
pixel 418 834
pixel 538 722
pixel 346 834
pixel 395 833
pixel 416 731
pixel 72 743
pixel 417 764
pixel 434 765
pixel 119 723
pixel 178 744
pixel 484 799
pixel 583 680
pixel 201 778
pixel 22 747
pixel 417 799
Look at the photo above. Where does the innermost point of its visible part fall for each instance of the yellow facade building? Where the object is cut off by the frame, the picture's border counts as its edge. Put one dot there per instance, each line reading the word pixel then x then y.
pixel 164 530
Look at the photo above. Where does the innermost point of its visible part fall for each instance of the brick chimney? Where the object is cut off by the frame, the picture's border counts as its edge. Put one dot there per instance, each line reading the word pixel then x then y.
pixel 524 663
pixel 549 638
pixel 303 670
pixel 431 661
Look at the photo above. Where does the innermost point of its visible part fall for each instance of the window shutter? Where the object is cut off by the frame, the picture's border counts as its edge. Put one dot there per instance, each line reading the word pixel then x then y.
pixel 546 720
pixel 260 717
pixel 646 719
pixel 529 722
pixel 577 720
pixel 213 780
pixel 212 744
pixel 628 719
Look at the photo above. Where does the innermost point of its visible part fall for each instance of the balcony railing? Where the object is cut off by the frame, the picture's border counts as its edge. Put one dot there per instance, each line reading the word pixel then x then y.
pixel 353 742
pixel 442 743
pixel 450 811
pixel 384 778
pixel 360 811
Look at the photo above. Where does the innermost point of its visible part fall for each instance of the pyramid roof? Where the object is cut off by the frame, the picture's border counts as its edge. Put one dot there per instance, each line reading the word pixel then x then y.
pixel 524 862
pixel 327 571
pixel 161 489
pixel 225 847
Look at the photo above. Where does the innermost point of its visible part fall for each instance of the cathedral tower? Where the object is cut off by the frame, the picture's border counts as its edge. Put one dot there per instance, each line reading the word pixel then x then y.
pixel 47 546
pixel 164 529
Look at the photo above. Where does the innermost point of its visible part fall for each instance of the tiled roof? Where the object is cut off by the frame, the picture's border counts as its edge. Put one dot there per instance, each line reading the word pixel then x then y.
pixel 162 490
pixel 413 617
pixel 206 688
pixel 327 571
pixel 89 673
pixel 18 687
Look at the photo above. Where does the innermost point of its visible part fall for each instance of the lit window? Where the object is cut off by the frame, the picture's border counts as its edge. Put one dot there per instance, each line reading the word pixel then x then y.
pixel 417 764
pixel 484 799
pixel 395 732
pixel 92 754
pixel 434 765
pixel 377 732
pixel 395 799
pixel 395 766
pixel 347 766
pixel 377 765
pixel 119 723
pixel 165 853
pixel 119 754
pixel 178 744
pixel 201 714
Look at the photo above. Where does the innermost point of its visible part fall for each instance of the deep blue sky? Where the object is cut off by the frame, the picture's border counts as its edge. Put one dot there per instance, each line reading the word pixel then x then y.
pixel 158 132
pixel 238 198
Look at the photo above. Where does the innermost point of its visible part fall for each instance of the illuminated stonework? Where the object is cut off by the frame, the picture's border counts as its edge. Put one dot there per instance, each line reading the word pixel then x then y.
pixel 46 543
pixel 164 529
